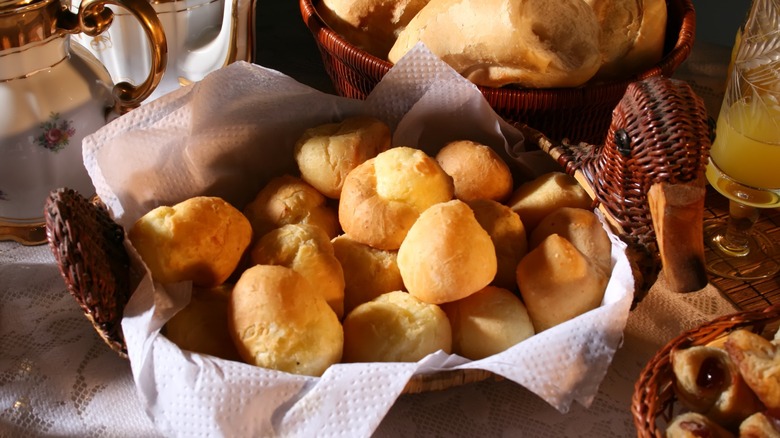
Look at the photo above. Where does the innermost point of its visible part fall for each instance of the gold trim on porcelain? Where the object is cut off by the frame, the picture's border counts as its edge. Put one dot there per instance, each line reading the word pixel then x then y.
pixel 27 234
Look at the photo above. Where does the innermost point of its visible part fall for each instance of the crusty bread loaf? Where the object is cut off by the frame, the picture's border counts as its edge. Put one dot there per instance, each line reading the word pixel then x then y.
pixel 395 327
pixel 383 197
pixel 558 283
pixel 202 325
pixel 580 227
pixel 278 322
pixel 200 239
pixel 372 25
pixel 507 232
pixel 535 199
pixel 531 43
pixel 287 199
pixel 307 250
pixel 487 322
pixel 368 272
pixel 327 153
pixel 631 36
pixel 446 255
pixel 477 171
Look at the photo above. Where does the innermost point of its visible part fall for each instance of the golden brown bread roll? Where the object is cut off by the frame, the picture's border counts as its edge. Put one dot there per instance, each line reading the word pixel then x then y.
pixel 534 44
pixel 695 425
pixel 202 325
pixel 307 250
pixel 290 200
pixel 446 255
pixel 558 283
pixel 278 322
pixel 507 232
pixel 368 272
pixel 631 37
pixel 201 239
pixel 372 25
pixel 758 361
pixel 760 425
pixel 477 171
pixel 580 227
pixel 395 327
pixel 487 322
pixel 535 199
pixel 383 197
pixel 327 153
pixel 707 381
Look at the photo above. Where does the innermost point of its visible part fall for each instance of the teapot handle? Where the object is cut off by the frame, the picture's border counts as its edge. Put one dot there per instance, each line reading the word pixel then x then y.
pixel 94 18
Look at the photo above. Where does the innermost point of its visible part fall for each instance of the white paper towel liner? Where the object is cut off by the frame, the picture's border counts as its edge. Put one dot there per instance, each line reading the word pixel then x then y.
pixel 227 136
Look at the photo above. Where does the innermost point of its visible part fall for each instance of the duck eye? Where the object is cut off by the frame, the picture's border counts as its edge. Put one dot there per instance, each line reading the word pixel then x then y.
pixel 623 142
pixel 711 125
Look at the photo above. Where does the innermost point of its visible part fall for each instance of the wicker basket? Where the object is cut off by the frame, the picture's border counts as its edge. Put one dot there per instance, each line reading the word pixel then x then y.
pixel 654 403
pixel 579 114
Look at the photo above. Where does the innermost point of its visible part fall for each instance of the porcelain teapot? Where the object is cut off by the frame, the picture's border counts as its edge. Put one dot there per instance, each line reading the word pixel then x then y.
pixel 53 93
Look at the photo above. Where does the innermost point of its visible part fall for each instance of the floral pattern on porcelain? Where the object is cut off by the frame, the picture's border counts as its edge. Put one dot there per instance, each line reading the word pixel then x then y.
pixel 56 133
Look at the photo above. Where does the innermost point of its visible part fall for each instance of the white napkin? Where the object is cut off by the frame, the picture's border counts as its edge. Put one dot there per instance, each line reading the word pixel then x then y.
pixel 229 134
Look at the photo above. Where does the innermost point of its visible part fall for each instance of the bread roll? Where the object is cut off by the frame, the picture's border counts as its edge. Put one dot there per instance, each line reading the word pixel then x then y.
pixel 580 227
pixel 368 272
pixel 383 197
pixel 758 362
pixel 487 322
pixel 290 200
pixel 372 25
pixel 202 325
pixel 395 327
pixel 631 37
pixel 278 322
pixel 327 153
pixel 507 232
pixel 446 255
pixel 695 425
pixel 531 43
pixel 707 381
pixel 200 239
pixel 307 250
pixel 558 283
pixel 760 425
pixel 535 199
pixel 477 171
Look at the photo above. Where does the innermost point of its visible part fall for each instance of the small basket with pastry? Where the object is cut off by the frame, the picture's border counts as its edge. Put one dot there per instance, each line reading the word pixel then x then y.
pixel 719 379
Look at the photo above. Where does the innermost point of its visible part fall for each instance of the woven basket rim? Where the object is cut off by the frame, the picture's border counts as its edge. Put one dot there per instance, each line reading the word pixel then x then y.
pixel 653 391
pixel 326 36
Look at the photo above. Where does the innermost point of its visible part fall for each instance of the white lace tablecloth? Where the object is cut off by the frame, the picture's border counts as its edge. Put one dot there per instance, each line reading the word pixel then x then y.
pixel 58 378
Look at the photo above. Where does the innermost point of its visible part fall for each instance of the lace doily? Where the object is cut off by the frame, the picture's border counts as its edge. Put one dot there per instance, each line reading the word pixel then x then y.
pixel 58 378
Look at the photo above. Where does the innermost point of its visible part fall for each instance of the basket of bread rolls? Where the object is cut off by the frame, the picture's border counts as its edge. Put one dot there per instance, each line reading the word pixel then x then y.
pixel 257 243
pixel 560 66
pixel 717 380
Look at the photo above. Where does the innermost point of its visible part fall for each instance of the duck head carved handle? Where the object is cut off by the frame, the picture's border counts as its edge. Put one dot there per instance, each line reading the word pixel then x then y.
pixel 660 135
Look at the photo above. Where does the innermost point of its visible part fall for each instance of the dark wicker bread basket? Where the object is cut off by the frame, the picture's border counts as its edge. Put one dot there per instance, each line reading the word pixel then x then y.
pixel 654 403
pixel 579 114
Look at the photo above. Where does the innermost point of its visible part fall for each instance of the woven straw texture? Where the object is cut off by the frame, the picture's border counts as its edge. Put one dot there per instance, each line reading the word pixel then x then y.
pixel 654 403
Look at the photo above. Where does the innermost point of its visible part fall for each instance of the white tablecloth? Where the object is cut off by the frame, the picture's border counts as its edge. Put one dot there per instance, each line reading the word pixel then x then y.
pixel 58 378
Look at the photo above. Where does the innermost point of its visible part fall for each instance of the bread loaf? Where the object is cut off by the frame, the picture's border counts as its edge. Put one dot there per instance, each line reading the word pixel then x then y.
pixel 530 43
